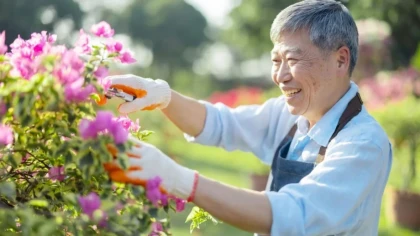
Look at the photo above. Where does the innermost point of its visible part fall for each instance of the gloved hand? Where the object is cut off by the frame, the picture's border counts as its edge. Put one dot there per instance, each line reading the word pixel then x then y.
pixel 151 94
pixel 146 162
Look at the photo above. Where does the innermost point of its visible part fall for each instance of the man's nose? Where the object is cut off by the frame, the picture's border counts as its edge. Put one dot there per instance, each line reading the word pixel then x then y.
pixel 283 75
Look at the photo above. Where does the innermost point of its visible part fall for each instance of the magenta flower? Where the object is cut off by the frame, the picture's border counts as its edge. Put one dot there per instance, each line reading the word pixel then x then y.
pixel 76 93
pixel 104 123
pixel 41 42
pixel 6 135
pixel 83 43
pixel 153 192
pixel 114 46
pixel 90 204
pixel 180 204
pixel 156 229
pixel 128 124
pixel 119 133
pixel 86 130
pixel 101 72
pixel 3 46
pixel 56 173
pixel 70 68
pixel 126 57
pixel 102 29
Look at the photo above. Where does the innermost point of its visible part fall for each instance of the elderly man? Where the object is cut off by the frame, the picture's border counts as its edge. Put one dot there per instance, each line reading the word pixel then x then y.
pixel 330 159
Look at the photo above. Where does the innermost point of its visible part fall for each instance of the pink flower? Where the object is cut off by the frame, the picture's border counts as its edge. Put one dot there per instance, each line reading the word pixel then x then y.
pixel 6 135
pixel 105 83
pixel 119 133
pixel 87 130
pixel 180 204
pixel 90 204
pixel 114 46
pixel 56 173
pixel 126 57
pixel 128 125
pixel 3 46
pixel 70 68
pixel 104 123
pixel 156 229
pixel 101 72
pixel 102 29
pixel 41 42
pixel 83 43
pixel 153 192
pixel 75 92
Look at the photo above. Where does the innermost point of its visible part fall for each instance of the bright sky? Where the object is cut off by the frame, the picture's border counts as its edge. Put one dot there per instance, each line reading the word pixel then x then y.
pixel 215 11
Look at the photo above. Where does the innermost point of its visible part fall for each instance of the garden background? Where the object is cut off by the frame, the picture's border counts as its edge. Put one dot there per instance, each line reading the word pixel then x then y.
pixel 219 51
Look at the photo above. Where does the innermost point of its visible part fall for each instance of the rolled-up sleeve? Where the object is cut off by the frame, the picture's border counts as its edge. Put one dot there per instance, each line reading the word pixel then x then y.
pixel 244 128
pixel 332 198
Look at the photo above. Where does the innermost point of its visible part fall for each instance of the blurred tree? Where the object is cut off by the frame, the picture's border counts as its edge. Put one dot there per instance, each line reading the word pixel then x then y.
pixel 404 19
pixel 172 29
pixel 249 33
pixel 23 17
pixel 251 22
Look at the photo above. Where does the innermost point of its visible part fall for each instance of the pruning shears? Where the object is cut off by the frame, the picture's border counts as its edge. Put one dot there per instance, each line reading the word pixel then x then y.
pixel 113 92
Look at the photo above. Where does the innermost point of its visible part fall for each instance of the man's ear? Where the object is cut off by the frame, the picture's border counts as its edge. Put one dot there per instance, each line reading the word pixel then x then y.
pixel 343 60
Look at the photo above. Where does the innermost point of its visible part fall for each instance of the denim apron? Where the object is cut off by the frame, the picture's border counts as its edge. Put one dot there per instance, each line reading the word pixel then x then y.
pixel 289 171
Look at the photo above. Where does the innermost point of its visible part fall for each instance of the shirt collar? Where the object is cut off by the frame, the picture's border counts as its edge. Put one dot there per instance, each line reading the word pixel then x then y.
pixel 321 132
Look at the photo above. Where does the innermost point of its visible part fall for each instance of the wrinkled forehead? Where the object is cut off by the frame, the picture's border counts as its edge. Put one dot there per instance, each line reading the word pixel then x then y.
pixel 293 42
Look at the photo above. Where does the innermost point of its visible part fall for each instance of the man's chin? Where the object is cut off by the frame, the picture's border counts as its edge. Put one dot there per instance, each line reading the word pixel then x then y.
pixel 293 110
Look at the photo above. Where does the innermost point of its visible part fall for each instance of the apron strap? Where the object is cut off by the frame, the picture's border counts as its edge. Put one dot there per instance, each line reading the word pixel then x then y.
pixel 353 109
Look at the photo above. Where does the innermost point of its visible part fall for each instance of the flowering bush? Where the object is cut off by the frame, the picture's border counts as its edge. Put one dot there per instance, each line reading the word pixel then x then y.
pixel 54 143
pixel 238 96
pixel 374 48
pixel 389 87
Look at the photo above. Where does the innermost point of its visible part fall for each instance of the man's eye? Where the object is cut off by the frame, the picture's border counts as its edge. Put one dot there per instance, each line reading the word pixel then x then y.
pixel 291 60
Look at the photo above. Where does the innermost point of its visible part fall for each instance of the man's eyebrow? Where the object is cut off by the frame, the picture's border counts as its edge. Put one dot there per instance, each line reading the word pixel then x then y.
pixel 287 50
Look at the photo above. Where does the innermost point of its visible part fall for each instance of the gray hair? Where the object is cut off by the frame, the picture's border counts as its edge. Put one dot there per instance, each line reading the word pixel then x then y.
pixel 329 23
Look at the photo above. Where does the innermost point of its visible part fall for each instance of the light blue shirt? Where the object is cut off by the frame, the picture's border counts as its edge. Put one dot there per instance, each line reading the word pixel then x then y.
pixel 342 195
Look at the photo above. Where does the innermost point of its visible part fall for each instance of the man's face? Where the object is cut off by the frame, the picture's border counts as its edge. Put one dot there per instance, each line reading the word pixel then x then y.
pixel 307 77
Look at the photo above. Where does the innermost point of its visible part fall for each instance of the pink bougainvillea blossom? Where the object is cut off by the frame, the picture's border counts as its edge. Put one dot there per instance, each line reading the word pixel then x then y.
pixel 101 72
pixel 56 173
pixel 156 229
pixel 3 46
pixel 103 123
pixel 102 29
pixel 90 204
pixel 26 56
pixel 126 57
pixel 75 92
pixel 83 43
pixel 180 204
pixel 128 124
pixel 153 192
pixel 6 135
pixel 114 46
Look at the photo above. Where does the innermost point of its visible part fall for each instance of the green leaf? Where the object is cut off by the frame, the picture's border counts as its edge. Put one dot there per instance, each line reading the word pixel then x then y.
pixel 8 190
pixel 38 203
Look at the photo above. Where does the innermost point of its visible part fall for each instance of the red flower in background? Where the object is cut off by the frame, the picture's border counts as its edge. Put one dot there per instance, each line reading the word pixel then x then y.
pixel 238 96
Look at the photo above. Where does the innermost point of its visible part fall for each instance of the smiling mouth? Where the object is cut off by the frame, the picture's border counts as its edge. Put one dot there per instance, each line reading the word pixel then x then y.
pixel 290 93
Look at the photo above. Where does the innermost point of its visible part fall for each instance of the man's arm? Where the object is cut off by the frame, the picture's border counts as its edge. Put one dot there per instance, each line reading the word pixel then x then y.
pixel 245 209
pixel 186 113
pixel 330 200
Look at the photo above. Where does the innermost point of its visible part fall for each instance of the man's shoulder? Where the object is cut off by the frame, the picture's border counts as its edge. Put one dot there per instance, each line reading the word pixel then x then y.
pixel 364 127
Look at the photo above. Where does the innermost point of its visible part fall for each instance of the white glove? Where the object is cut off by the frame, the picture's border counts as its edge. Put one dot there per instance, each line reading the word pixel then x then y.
pixel 151 94
pixel 146 162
